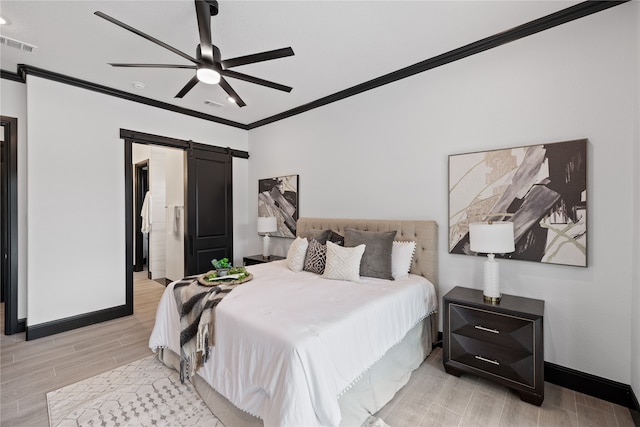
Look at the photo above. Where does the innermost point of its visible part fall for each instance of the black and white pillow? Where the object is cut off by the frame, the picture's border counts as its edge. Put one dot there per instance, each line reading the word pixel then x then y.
pixel 316 257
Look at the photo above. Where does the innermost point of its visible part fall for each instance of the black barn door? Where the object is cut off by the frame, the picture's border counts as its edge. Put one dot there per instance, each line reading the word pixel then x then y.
pixel 209 209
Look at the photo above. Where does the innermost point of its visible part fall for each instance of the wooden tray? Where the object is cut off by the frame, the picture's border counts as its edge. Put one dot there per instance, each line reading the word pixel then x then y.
pixel 204 282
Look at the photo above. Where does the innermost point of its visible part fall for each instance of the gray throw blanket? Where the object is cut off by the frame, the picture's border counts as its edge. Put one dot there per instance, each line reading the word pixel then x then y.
pixel 196 307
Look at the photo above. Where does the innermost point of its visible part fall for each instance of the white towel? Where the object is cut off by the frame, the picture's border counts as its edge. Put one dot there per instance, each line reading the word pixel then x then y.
pixel 145 213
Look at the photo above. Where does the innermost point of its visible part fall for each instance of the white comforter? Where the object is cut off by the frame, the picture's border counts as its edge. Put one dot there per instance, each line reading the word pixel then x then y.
pixel 289 344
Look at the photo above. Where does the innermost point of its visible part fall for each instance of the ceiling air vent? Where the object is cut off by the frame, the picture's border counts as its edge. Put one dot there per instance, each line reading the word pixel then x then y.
pixel 17 44
pixel 213 103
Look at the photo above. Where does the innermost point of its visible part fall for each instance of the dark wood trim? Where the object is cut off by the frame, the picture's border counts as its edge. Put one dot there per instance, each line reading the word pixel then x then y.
pixel 635 409
pixel 8 75
pixel 148 138
pixel 128 227
pixel 62 325
pixel 10 223
pixel 561 17
pixel 22 325
pixel 602 388
pixel 24 69
pixel 553 20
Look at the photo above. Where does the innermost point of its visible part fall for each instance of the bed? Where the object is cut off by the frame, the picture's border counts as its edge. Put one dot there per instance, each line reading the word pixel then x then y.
pixel 323 367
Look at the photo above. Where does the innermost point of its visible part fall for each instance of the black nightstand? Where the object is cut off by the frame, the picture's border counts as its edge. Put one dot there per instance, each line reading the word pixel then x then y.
pixel 501 342
pixel 259 259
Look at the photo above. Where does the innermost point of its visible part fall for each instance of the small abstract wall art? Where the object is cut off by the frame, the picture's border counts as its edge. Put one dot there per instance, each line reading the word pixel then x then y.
pixel 542 189
pixel 279 197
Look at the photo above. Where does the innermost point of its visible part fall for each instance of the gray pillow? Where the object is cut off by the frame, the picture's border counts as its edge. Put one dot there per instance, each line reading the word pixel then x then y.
pixel 315 233
pixel 335 238
pixel 376 261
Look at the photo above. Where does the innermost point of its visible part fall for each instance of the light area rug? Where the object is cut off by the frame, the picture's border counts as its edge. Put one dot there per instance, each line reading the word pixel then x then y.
pixel 142 393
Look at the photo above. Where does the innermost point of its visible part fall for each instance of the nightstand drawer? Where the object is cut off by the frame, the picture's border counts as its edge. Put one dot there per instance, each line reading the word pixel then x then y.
pixel 509 364
pixel 495 328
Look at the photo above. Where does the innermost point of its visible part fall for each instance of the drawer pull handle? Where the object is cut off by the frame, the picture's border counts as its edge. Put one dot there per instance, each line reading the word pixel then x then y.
pixel 484 359
pixel 482 328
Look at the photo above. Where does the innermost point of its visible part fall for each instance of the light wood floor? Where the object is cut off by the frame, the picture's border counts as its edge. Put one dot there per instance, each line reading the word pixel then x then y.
pixel 28 370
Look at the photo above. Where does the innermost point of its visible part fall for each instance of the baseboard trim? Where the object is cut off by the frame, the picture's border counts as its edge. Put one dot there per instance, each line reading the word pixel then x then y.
pixel 62 325
pixel 602 388
pixel 635 409
pixel 22 325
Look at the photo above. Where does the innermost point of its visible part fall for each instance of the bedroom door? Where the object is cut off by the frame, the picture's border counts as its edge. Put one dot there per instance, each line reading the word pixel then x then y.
pixel 209 208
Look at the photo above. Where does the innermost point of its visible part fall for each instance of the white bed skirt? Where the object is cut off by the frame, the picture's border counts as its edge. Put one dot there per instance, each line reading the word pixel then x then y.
pixel 374 389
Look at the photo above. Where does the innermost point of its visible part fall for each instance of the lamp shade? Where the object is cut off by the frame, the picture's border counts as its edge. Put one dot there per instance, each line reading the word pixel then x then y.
pixel 495 237
pixel 267 224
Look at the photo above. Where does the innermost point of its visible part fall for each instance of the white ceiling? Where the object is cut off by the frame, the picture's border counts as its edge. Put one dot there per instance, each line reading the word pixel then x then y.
pixel 337 44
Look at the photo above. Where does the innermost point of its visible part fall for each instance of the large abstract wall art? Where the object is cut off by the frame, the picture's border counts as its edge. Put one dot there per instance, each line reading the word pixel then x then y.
pixel 279 197
pixel 542 189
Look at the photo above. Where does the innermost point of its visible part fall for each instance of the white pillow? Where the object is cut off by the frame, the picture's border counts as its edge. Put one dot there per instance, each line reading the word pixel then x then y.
pixel 296 254
pixel 343 263
pixel 401 257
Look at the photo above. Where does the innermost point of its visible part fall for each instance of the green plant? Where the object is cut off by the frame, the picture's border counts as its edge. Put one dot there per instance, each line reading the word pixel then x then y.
pixel 223 263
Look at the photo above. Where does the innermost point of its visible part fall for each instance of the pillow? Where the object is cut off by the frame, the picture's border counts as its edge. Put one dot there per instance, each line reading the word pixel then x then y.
pixel 376 261
pixel 335 238
pixel 343 263
pixel 297 253
pixel 401 257
pixel 316 257
pixel 319 235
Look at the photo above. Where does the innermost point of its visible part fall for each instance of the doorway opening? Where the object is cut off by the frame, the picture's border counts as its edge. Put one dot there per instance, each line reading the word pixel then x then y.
pixel 206 213
pixel 159 198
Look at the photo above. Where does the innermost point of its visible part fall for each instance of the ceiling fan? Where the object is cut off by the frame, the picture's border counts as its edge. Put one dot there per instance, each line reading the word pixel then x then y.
pixel 209 66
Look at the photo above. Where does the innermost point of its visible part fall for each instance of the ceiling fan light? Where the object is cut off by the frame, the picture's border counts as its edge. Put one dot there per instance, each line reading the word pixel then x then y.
pixel 208 75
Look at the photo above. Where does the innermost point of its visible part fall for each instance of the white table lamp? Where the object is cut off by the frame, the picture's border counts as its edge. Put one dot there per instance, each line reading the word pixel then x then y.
pixel 491 238
pixel 266 225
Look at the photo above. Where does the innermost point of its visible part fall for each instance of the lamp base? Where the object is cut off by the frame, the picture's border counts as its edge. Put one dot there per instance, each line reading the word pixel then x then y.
pixel 491 291
pixel 265 246
pixel 492 300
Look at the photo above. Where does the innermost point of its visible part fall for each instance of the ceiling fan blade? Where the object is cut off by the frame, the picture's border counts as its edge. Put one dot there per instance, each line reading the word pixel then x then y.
pixel 204 28
pixel 146 36
pixel 258 57
pixel 256 80
pixel 232 93
pixel 190 84
pixel 192 67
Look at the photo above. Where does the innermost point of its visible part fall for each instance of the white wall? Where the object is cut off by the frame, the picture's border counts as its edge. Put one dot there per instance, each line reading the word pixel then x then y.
pixel 76 217
pixel 383 154
pixel 13 103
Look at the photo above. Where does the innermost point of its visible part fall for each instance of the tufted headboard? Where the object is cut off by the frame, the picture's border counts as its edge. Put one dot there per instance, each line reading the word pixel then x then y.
pixel 424 233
